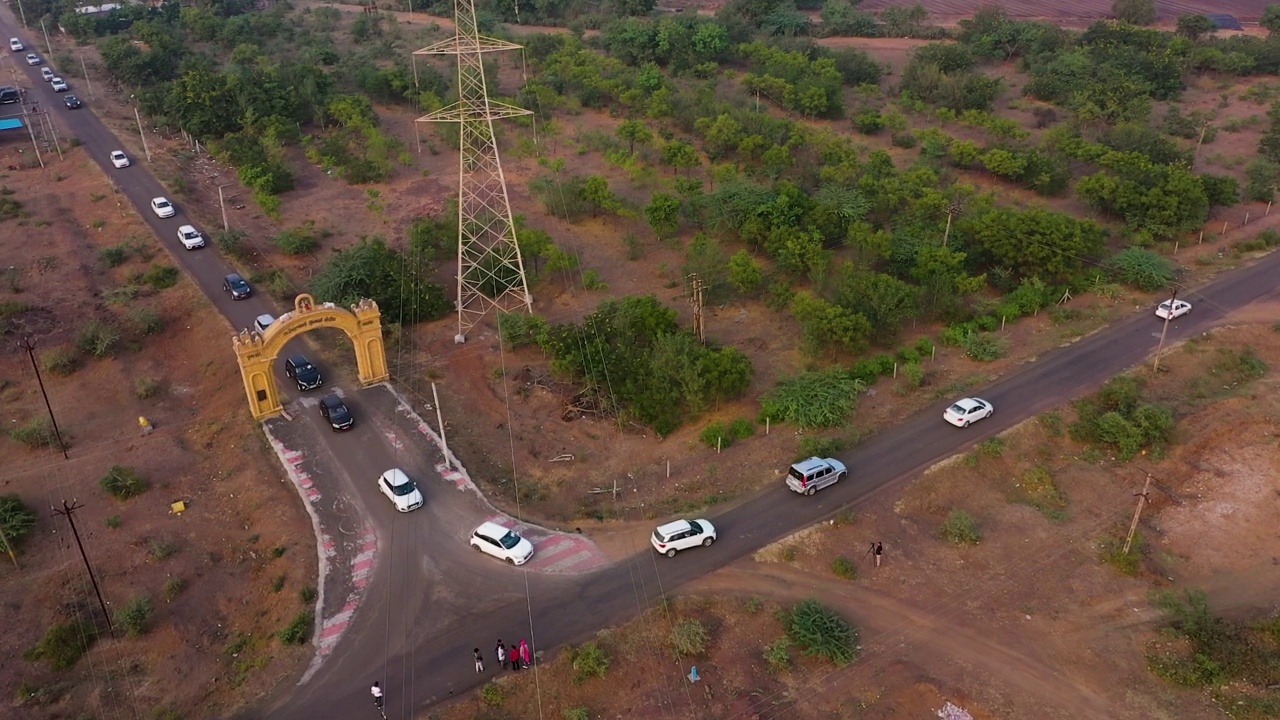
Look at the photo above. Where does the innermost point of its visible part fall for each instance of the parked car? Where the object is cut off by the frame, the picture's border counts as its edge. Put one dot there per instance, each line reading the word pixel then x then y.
pixel 237 286
pixel 10 94
pixel 46 73
pixel 190 237
pixel 968 411
pixel 119 159
pixel 58 84
pixel 262 322
pixel 810 476
pixel 303 372
pixel 682 535
pixel 336 413
pixel 1170 309
pixel 16 45
pixel 493 539
pixel 400 490
pixel 162 207
pixel 72 102
pixel 33 59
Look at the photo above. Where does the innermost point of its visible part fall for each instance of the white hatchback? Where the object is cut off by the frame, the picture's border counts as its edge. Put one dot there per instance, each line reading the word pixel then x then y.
pixel 262 322
pixel 502 543
pixel 400 490
pixel 1170 309
pixel 968 411
pixel 119 159
pixel 682 535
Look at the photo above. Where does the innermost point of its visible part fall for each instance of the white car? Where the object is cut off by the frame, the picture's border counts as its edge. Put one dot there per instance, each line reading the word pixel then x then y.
pixel 59 85
pixel 33 59
pixel 46 73
pixel 16 45
pixel 682 535
pixel 162 207
pixel 262 322
pixel 493 539
pixel 967 411
pixel 1170 309
pixel 190 237
pixel 119 159
pixel 400 490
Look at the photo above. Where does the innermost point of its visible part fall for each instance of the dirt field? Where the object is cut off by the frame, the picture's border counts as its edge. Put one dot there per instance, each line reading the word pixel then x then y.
pixel 211 571
pixel 1028 623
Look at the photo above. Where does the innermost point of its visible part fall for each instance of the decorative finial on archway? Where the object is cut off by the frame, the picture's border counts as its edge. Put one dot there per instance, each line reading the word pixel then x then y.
pixel 304 303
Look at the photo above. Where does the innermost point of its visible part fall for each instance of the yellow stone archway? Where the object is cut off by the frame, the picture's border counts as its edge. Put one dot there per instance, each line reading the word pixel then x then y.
pixel 256 353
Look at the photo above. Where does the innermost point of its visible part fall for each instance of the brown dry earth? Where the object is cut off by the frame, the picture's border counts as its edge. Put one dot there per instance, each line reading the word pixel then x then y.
pixel 205 452
pixel 1028 623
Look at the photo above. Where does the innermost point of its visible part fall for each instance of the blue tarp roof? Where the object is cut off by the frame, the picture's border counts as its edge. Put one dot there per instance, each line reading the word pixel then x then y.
pixel 1225 22
pixel 10 123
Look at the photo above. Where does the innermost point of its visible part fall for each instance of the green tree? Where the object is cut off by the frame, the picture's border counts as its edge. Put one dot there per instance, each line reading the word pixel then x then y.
pixel 720 135
pixel 633 7
pixel 706 257
pixel 663 214
pixel 1034 243
pixel 370 269
pixel 1135 12
pixel 745 272
pixel 596 192
pixel 634 132
pixel 826 325
pixel 903 21
pixel 1271 19
pixel 680 154
pixel 1193 26
pixel 885 301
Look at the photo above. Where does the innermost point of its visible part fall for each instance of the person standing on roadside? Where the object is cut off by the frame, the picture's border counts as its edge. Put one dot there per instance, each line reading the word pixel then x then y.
pixel 879 551
pixel 501 652
pixel 479 660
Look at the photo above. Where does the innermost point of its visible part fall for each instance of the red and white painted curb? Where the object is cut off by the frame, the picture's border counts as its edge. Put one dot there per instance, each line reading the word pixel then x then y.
pixel 327 631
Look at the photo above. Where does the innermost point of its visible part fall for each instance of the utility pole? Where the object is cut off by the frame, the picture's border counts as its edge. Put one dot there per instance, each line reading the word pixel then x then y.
pixel 1203 129
pixel 952 210
pixel 29 345
pixel 48 45
pixel 68 511
pixel 1155 365
pixel 85 70
pixel 138 117
pixel 23 12
pixel 223 204
pixel 1137 513
pixel 32 132
pixel 695 299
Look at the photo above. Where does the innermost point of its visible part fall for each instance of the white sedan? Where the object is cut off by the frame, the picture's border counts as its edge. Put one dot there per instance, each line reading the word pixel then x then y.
pixel 967 411
pixel 190 237
pixel 1170 309
pixel 400 490
pixel 162 207
pixel 119 159
pixel 493 539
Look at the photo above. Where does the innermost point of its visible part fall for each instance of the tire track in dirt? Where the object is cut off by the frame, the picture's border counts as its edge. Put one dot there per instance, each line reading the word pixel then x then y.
pixel 890 624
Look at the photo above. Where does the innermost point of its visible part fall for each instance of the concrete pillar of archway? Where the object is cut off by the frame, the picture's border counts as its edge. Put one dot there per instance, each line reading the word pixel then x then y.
pixel 371 355
pixel 255 372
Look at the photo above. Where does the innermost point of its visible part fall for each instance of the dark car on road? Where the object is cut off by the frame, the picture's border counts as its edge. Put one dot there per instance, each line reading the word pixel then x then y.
pixel 335 411
pixel 72 102
pixel 237 286
pixel 303 372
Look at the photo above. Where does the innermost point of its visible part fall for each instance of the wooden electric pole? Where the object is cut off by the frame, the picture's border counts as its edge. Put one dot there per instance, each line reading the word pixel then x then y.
pixel 695 299
pixel 1137 514
pixel 69 511
pixel 952 210
pixel 29 345
pixel 1155 365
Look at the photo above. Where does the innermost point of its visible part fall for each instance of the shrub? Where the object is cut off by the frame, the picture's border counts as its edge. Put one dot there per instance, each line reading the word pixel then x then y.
pixel 299 629
pixel 34 433
pixel 97 338
pixel 160 276
pixel 114 256
pixel 722 435
pixel 992 448
pixel 813 399
pixel 689 638
pixel 985 347
pixel 1141 268
pixel 135 617
pixel 123 483
pixel 173 587
pixel 913 374
pixel 307 594
pixel 903 140
pixel 233 243
pixel 63 644
pixel 960 528
pixel 16 521
pixel 145 387
pixel 868 122
pixel 588 660
pixel 778 655
pixel 113 521
pixel 1111 551
pixel 146 321
pixel 301 240
pixel 843 567
pixel 518 329
pixel 161 549
pixel 820 632
pixel 491 694
pixel 1043 494
pixel 277 584
pixel 754 604
pixel 576 713
pixel 815 446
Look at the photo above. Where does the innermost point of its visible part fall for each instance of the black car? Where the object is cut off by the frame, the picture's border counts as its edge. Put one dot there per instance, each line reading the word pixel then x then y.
pixel 303 372
pixel 237 286
pixel 335 411
pixel 72 102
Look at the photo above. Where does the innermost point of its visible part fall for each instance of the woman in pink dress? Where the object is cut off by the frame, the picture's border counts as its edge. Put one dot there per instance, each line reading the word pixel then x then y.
pixel 525 656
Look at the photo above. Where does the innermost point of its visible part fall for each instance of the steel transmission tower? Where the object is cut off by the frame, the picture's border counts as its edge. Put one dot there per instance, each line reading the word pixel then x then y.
pixel 490 270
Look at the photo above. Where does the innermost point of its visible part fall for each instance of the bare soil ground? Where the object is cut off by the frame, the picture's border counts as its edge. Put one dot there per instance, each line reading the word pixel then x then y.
pixel 210 571
pixel 1028 623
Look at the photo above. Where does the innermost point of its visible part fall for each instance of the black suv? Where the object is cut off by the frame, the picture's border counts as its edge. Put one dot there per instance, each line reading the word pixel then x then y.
pixel 335 411
pixel 303 372
pixel 237 286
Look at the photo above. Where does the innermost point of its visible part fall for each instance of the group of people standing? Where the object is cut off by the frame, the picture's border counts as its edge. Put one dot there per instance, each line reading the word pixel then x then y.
pixel 517 655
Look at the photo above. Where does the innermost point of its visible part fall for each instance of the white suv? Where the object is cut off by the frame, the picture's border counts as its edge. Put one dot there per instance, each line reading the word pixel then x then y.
pixel 190 237
pixel 682 535
pixel 16 45
pixel 810 476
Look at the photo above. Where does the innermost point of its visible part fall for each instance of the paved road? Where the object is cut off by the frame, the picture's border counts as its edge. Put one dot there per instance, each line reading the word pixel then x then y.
pixel 421 623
